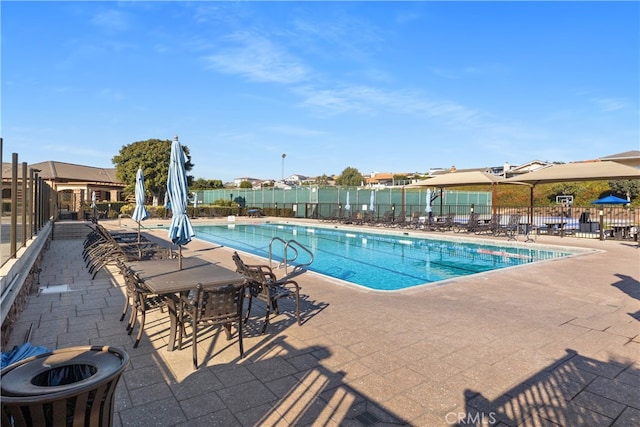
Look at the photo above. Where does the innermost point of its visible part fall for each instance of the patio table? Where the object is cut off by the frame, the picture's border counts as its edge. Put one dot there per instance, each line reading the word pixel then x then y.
pixel 163 278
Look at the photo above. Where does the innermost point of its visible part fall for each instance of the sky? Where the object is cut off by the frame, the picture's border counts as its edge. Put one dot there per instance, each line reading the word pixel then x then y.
pixel 397 87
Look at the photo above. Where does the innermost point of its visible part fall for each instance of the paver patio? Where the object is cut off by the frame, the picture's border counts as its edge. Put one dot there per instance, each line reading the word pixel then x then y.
pixel 554 343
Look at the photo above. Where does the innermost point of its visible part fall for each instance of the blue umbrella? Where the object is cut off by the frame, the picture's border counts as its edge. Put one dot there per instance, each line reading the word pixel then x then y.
pixel 610 200
pixel 180 230
pixel 140 213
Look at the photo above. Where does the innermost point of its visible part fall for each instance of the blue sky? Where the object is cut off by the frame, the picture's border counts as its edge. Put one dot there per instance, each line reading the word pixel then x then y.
pixel 379 86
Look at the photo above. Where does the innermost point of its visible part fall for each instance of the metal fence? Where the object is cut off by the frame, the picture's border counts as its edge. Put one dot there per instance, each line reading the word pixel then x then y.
pixel 26 207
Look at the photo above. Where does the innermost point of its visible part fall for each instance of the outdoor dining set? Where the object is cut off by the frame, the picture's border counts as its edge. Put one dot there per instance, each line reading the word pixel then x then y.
pixel 199 294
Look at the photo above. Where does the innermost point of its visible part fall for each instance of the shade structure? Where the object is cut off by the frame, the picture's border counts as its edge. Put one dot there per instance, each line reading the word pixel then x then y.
pixel 573 172
pixel 610 200
pixel 453 179
pixel 347 206
pixel 180 230
pixel 140 213
pixel 584 171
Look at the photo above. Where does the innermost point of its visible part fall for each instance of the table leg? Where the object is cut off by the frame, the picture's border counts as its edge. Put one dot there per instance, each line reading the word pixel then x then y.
pixel 173 319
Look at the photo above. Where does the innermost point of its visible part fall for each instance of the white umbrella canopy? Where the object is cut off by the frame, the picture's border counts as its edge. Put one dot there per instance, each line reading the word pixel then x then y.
pixel 180 230
pixel 428 205
pixel 372 201
pixel 347 206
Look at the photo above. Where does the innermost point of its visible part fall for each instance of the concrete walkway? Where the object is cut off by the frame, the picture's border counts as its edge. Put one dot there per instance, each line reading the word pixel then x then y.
pixel 556 343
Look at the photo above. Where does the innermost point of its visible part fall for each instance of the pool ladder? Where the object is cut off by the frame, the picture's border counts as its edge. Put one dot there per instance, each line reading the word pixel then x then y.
pixel 286 260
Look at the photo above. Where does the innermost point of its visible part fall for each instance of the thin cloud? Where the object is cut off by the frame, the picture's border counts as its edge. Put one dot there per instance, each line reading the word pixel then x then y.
pixel 374 101
pixel 611 104
pixel 258 59
pixel 112 21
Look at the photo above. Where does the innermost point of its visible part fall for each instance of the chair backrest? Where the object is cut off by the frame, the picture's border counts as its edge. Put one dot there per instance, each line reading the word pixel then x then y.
pixel 219 305
pixel 240 265
pixel 514 221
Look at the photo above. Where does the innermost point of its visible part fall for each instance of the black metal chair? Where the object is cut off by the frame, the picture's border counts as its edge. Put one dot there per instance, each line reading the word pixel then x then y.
pixel 141 300
pixel 264 286
pixel 212 307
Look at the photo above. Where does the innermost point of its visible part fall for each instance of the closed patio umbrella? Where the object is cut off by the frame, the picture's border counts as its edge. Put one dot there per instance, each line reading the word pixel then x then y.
pixel 347 206
pixel 372 201
pixel 93 204
pixel 180 230
pixel 428 205
pixel 140 213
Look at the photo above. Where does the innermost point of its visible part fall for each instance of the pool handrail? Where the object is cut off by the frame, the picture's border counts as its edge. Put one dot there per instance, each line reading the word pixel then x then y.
pixel 285 259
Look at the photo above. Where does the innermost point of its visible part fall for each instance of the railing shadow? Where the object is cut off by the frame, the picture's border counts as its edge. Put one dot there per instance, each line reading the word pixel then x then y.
pixel 631 287
pixel 573 391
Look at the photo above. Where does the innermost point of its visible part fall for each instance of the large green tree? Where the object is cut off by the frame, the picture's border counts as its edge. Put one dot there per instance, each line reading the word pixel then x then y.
pixel 152 156
pixel 350 177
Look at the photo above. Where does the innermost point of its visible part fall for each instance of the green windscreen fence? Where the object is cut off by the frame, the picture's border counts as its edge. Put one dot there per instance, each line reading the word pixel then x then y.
pixel 322 202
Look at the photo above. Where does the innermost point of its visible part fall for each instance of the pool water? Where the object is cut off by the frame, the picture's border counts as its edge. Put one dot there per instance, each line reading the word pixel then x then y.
pixel 375 261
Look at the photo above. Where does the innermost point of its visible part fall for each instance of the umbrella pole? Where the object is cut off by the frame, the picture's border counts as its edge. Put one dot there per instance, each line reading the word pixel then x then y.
pixel 179 257
pixel 139 250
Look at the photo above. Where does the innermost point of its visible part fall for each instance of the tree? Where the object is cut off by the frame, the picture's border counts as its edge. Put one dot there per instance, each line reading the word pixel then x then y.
pixel 246 184
pixel 152 156
pixel 350 177
pixel 626 188
pixel 206 184
pixel 322 180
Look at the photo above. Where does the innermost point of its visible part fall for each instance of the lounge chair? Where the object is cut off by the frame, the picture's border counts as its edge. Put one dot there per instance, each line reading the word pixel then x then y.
pixel 512 227
pixel 470 226
pixel 490 227
pixel 445 224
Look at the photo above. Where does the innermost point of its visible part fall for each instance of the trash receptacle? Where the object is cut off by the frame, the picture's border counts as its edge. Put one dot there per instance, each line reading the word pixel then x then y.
pixel 66 387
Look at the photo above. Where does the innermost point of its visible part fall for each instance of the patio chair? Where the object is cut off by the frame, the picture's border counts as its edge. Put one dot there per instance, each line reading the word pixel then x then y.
pixel 446 224
pixel 221 306
pixel 141 300
pixel 470 226
pixel 414 222
pixel 490 227
pixel 264 286
pixel 512 227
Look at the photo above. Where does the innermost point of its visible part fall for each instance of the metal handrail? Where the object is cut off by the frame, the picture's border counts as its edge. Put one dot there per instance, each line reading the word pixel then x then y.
pixel 285 259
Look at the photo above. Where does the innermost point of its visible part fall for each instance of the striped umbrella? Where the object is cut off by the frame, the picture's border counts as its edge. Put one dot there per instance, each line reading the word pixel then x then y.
pixel 180 230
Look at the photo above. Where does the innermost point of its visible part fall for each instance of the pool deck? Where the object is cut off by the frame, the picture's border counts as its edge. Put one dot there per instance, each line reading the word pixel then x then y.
pixel 553 343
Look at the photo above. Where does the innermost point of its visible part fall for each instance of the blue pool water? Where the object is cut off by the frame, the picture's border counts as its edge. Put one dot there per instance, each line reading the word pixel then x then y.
pixel 375 261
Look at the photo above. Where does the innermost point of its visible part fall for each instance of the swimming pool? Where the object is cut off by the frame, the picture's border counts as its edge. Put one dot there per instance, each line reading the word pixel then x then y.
pixel 376 261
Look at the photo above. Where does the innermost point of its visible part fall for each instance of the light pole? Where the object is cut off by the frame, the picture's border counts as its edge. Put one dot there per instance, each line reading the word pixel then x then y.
pixel 283 156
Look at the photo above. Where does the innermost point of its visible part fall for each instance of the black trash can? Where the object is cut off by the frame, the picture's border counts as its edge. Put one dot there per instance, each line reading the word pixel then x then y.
pixel 67 387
